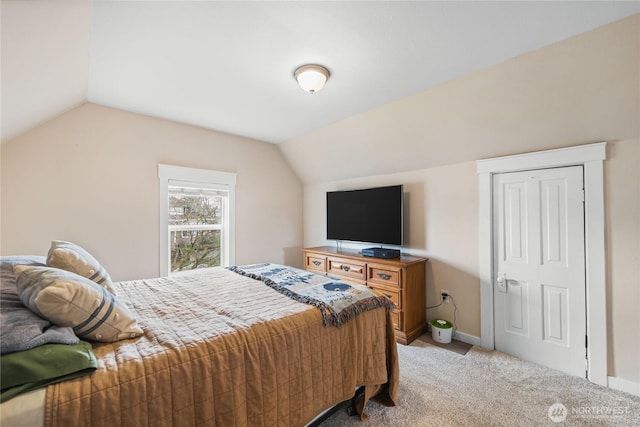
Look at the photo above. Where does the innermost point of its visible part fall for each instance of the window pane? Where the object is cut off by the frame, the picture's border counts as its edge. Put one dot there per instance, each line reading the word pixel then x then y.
pixel 191 249
pixel 189 206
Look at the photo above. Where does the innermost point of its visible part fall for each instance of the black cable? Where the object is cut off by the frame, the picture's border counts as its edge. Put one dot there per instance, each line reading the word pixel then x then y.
pixel 436 305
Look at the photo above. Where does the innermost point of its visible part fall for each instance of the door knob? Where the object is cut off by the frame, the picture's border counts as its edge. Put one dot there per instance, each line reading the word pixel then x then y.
pixel 502 282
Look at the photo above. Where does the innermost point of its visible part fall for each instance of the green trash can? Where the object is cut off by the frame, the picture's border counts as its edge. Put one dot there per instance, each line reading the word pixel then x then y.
pixel 441 330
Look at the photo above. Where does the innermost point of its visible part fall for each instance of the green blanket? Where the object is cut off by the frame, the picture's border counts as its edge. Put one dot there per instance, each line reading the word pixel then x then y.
pixel 38 367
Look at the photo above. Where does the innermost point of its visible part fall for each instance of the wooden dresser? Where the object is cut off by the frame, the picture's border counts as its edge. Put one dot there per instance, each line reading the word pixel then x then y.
pixel 402 280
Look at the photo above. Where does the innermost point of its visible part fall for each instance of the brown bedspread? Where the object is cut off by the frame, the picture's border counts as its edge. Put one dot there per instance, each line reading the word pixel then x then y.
pixel 221 349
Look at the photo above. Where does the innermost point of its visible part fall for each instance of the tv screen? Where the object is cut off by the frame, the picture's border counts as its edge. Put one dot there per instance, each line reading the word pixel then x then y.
pixel 371 215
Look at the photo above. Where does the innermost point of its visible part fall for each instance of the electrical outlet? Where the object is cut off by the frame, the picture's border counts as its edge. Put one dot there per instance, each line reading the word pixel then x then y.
pixel 445 295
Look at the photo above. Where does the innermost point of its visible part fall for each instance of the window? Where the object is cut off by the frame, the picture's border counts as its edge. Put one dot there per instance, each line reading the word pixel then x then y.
pixel 196 218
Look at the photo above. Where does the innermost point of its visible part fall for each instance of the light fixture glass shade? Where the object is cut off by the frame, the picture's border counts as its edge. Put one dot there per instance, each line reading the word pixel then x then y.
pixel 311 77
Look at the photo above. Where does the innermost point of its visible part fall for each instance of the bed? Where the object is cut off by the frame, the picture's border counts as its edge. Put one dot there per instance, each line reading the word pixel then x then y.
pixel 222 348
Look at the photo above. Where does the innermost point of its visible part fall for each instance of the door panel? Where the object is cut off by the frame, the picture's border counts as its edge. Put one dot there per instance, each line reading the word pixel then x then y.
pixel 539 243
pixel 552 225
pixel 516 226
pixel 555 308
pixel 517 315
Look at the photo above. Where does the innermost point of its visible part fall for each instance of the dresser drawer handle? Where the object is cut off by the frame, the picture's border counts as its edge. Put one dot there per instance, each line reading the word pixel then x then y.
pixel 347 268
pixel 388 296
pixel 384 276
pixel 316 263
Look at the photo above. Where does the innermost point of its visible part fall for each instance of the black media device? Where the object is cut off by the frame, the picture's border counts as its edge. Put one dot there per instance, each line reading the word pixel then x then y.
pixel 381 253
pixel 370 215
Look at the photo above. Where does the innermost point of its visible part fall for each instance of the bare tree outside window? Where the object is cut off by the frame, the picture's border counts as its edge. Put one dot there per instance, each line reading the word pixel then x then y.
pixel 195 227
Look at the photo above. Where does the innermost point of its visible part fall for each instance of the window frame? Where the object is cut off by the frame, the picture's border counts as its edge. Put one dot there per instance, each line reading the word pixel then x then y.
pixel 168 174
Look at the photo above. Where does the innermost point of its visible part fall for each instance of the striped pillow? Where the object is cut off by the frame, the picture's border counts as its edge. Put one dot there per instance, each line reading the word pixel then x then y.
pixel 71 257
pixel 67 299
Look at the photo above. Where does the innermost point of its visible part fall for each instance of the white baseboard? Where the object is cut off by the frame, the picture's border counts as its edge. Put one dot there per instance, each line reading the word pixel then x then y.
pixel 624 385
pixel 469 339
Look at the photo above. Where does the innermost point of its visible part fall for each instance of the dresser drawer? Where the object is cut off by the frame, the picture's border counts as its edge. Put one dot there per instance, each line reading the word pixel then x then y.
pixel 390 292
pixel 384 275
pixel 346 268
pixel 396 319
pixel 315 263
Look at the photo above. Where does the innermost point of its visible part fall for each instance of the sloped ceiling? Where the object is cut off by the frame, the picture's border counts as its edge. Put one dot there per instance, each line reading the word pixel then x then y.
pixel 229 65
pixel 45 61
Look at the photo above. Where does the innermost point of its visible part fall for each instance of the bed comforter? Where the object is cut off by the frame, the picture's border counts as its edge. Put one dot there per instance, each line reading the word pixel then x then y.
pixel 221 349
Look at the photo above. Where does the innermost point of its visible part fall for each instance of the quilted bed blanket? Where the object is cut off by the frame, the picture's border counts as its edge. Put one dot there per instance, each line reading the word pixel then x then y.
pixel 222 349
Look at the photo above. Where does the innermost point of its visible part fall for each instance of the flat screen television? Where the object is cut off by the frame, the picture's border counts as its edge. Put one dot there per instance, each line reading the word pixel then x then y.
pixel 370 215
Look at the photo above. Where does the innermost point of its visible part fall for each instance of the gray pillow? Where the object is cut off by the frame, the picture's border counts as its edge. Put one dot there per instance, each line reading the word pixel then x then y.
pixel 20 328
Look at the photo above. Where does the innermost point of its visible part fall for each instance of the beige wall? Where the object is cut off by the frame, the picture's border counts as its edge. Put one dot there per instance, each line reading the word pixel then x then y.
pixel 90 176
pixel 622 237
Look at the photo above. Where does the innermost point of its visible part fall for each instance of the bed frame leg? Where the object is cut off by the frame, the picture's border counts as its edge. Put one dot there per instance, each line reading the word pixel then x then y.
pixel 356 405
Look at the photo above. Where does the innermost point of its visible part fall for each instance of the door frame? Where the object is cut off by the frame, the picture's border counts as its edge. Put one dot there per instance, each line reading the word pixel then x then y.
pixel 591 157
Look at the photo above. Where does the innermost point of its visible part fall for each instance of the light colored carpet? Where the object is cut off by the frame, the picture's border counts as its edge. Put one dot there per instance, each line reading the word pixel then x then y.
pixel 486 388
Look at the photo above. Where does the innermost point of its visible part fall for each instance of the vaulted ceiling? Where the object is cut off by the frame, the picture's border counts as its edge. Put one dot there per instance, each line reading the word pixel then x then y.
pixel 229 65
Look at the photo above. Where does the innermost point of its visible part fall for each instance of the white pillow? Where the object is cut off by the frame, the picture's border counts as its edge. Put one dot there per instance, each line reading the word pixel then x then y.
pixel 71 257
pixel 67 299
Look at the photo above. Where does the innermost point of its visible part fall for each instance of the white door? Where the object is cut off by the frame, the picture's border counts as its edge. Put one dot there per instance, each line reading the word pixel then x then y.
pixel 539 267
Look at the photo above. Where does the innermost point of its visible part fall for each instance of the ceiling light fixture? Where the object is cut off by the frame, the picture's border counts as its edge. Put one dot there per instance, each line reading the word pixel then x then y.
pixel 311 77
